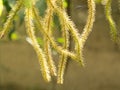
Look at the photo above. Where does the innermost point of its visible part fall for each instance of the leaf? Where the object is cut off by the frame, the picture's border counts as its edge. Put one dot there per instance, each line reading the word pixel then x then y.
pixel 28 3
pixel 40 41
pixel 60 40
pixel 65 4
pixel 7 5
pixel 14 36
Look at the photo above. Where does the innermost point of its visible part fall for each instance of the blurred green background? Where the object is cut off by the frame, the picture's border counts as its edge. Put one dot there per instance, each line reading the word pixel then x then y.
pixel 19 67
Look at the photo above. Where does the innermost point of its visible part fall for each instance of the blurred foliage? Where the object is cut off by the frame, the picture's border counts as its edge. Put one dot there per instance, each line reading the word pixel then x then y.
pixel 61 40
pixel 98 1
pixel 42 6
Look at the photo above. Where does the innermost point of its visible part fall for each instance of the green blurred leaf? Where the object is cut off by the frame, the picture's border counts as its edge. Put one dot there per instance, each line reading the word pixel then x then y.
pixel 28 3
pixel 56 22
pixel 14 36
pixel 40 41
pixel 98 1
pixel 65 4
pixel 42 6
pixel 11 3
pixel 6 4
pixel 60 40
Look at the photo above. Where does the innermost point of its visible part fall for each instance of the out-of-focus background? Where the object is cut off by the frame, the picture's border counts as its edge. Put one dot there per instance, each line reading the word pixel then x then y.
pixel 20 70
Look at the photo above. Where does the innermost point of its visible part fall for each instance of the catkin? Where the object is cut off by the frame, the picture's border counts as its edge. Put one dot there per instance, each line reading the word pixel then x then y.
pixel 40 53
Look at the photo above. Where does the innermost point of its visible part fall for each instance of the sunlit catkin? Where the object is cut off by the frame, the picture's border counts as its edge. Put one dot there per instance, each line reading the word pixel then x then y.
pixel 89 24
pixel 40 53
pixel 47 47
pixel 63 58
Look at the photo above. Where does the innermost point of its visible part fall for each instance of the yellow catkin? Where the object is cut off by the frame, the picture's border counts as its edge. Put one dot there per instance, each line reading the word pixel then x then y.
pixel 90 20
pixel 11 16
pixel 47 47
pixel 89 24
pixel 63 58
pixel 40 53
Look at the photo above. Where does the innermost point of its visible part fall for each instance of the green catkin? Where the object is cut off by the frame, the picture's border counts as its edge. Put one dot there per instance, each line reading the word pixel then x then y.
pixel 63 58
pixel 31 34
pixel 11 16
pixel 113 29
pixel 47 47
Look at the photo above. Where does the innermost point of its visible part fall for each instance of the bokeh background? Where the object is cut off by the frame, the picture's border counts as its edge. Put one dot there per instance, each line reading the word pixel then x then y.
pixel 20 70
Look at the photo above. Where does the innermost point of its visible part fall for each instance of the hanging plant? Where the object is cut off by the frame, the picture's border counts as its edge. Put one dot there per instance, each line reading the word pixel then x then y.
pixel 33 20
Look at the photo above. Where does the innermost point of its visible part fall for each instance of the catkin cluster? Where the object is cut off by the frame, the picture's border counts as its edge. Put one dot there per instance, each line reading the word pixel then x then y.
pixel 33 20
